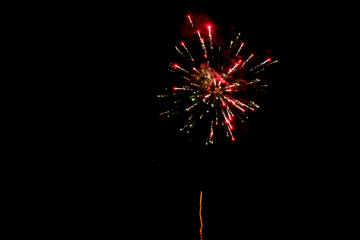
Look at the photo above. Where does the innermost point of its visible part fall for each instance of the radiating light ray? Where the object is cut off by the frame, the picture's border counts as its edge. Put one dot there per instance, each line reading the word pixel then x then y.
pixel 198 33
pixel 237 37
pixel 231 135
pixel 187 50
pixel 210 39
pixel 261 64
pixel 196 70
pixel 202 43
pixel 191 22
pixel 176 66
pixel 178 50
pixel 204 48
pixel 231 44
pixel 231 70
pixel 237 53
pixel 272 62
pixel 192 106
pixel 248 59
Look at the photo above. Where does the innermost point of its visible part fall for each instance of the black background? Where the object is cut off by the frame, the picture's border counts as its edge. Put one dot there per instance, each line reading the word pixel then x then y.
pixel 125 163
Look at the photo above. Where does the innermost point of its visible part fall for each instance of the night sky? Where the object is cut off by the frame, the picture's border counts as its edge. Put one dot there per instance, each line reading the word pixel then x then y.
pixel 261 185
pixel 271 182
pixel 251 188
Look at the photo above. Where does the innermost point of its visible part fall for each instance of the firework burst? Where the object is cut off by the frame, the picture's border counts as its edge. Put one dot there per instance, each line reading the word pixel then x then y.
pixel 216 82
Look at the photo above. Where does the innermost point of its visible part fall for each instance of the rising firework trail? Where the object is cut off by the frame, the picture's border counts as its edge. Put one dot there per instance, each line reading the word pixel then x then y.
pixel 215 82
pixel 200 216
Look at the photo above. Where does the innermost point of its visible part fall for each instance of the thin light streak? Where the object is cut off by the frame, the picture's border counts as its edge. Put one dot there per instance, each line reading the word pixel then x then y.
pixel 200 215
pixel 251 55
pixel 210 38
pixel 187 50
pixel 237 53
pixel 191 22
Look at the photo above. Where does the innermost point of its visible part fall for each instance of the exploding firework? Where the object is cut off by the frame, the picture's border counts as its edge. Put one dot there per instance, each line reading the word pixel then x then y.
pixel 216 81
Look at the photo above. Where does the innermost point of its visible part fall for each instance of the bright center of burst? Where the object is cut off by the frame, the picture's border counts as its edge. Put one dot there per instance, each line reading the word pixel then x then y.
pixel 217 90
pixel 213 82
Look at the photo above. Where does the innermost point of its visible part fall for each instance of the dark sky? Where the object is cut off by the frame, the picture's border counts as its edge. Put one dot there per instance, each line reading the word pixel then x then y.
pixel 260 185
pixel 269 183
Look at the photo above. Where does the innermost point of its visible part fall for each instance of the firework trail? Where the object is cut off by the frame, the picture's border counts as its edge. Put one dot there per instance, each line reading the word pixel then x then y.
pixel 214 89
pixel 200 215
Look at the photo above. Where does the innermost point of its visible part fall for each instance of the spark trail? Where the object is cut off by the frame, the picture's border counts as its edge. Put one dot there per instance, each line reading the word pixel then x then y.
pixel 200 215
